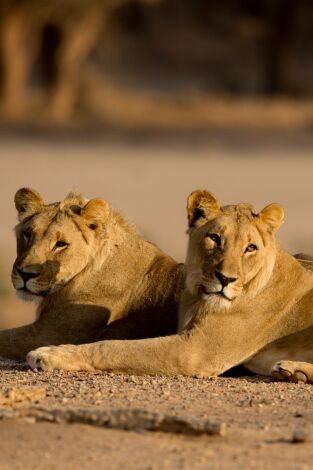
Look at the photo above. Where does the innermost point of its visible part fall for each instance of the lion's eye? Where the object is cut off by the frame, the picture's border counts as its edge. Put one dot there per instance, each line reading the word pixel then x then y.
pixel 251 248
pixel 26 235
pixel 215 238
pixel 60 244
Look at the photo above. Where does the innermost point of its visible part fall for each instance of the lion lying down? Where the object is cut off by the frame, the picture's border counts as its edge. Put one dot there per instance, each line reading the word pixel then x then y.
pixel 242 293
pixel 92 275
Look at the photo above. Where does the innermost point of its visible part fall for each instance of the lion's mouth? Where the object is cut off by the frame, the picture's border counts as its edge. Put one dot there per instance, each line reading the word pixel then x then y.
pixel 43 293
pixel 220 293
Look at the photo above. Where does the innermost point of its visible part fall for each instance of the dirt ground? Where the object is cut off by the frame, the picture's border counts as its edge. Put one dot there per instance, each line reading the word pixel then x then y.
pixel 267 424
pixel 150 182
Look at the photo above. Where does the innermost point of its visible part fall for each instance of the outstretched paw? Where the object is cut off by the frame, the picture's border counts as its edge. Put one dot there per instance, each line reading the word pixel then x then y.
pixel 291 371
pixel 48 358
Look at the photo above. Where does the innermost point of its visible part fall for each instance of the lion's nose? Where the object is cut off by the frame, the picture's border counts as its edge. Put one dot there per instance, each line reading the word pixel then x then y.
pixel 224 280
pixel 26 276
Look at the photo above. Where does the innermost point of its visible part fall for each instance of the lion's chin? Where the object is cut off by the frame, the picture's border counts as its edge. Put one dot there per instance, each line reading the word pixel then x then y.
pixel 217 299
pixel 28 296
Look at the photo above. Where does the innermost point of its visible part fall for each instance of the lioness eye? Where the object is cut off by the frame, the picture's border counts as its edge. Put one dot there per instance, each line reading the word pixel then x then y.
pixel 251 248
pixel 60 244
pixel 215 238
pixel 26 236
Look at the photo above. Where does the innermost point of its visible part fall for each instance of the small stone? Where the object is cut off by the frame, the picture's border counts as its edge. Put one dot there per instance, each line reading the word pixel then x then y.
pixel 12 395
pixel 299 437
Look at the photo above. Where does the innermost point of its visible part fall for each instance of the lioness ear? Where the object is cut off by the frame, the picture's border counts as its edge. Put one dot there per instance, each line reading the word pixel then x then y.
pixel 272 216
pixel 201 206
pixel 95 212
pixel 27 202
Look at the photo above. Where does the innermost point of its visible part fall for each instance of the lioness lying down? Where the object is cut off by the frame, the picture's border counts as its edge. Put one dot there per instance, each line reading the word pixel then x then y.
pixel 91 273
pixel 242 293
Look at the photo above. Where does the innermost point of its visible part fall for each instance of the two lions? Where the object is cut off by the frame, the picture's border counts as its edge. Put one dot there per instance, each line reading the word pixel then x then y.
pixel 242 293
pixel 91 273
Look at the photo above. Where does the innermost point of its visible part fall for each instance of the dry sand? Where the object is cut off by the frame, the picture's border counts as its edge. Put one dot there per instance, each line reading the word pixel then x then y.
pixel 263 423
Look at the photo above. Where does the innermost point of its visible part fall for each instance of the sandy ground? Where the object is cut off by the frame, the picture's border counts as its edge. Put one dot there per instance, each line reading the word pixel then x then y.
pixel 150 182
pixel 263 420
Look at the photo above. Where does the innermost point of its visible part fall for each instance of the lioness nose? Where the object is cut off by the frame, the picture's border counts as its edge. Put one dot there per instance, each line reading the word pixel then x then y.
pixel 224 280
pixel 26 276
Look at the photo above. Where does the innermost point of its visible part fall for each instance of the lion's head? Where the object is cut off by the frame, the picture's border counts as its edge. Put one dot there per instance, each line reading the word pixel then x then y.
pixel 55 242
pixel 231 250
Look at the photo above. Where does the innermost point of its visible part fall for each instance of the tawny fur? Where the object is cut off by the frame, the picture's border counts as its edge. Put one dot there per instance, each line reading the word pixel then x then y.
pixel 268 295
pixel 106 281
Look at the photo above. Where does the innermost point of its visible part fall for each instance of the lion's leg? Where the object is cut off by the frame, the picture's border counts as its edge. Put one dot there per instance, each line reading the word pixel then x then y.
pixel 77 324
pixel 206 349
pixel 293 371
pixel 15 343
pixel 290 351
pixel 169 355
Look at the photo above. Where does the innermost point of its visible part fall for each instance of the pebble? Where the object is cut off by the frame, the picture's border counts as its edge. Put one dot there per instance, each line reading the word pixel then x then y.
pixel 300 437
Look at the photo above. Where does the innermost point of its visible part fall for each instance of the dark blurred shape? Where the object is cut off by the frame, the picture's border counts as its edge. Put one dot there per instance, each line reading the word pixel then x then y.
pixel 50 42
pixel 52 38
pixel 55 53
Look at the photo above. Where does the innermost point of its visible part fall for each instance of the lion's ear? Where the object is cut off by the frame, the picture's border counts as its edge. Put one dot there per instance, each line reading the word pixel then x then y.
pixel 95 213
pixel 201 206
pixel 272 216
pixel 27 202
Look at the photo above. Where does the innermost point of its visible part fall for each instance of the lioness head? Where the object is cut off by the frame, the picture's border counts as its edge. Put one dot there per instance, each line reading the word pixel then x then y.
pixel 55 242
pixel 231 248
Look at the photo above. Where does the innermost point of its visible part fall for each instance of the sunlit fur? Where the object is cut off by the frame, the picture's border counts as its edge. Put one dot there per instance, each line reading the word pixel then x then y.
pixel 237 228
pixel 91 273
pixel 37 251
pixel 268 295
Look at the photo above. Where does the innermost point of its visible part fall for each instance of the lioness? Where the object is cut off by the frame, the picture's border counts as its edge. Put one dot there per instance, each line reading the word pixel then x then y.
pixel 242 292
pixel 91 273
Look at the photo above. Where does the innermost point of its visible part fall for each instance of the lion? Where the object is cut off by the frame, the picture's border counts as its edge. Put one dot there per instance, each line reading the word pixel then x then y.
pixel 91 273
pixel 245 301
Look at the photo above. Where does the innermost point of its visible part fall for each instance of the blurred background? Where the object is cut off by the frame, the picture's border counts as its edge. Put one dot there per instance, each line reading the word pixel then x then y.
pixel 141 102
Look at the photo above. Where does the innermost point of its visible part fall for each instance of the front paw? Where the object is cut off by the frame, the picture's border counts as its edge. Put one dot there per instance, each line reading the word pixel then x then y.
pixel 48 358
